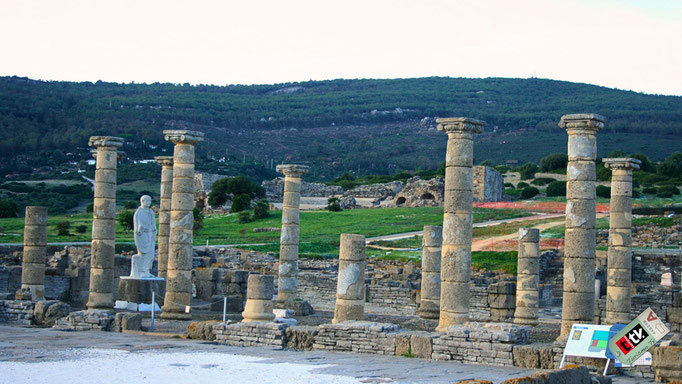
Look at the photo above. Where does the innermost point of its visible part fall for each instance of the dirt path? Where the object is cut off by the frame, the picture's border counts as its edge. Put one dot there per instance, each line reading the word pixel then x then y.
pixel 486 243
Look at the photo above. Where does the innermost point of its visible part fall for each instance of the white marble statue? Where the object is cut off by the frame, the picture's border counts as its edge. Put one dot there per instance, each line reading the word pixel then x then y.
pixel 144 227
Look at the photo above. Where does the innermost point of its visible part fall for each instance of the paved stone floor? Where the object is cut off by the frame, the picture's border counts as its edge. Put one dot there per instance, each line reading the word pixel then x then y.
pixel 34 355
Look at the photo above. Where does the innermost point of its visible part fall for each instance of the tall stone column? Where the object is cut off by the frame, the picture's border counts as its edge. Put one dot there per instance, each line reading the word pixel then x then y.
pixel 350 288
pixel 287 285
pixel 580 239
pixel 458 219
pixel 429 305
pixel 35 243
pixel 619 265
pixel 179 271
pixel 528 277
pixel 103 244
pixel 259 292
pixel 166 163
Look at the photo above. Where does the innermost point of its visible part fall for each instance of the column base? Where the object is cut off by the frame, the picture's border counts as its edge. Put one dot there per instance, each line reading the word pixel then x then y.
pixel 345 310
pixel 429 309
pixel 258 310
pixel 175 316
pixel 451 318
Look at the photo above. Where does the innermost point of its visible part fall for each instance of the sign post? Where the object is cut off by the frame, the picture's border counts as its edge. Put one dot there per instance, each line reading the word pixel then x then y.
pixel 637 337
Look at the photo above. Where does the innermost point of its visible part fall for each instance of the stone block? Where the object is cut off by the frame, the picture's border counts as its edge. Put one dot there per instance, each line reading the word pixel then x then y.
pixel 402 345
pixel 202 330
pixel 47 312
pixel 126 321
pixel 422 345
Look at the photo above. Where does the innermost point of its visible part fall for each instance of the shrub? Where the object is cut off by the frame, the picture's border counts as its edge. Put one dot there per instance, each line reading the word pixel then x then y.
pixel 664 195
pixel 602 173
pixel 333 204
pixel 554 162
pixel 502 169
pixel 8 208
pixel 81 228
pixel 636 193
pixel 668 189
pixel 240 203
pixel 522 185
pixel 512 192
pixel 542 181
pixel 244 217
pixel 509 185
pixel 198 219
pixel 527 171
pixel 261 209
pixel 603 191
pixel 131 204
pixel 649 190
pixel 125 220
pixel 233 186
pixel 90 208
pixel 556 188
pixel 529 192
pixel 63 228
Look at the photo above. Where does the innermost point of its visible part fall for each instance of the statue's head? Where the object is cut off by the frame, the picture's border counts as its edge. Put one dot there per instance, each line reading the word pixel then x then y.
pixel 145 201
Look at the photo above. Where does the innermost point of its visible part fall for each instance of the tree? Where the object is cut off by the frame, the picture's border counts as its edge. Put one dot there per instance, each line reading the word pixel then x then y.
pixel 130 204
pixel 333 204
pixel 529 192
pixel 125 220
pixel 228 187
pixel 261 209
pixel 8 208
pixel 647 165
pixel 556 188
pixel 554 162
pixel 527 171
pixel 81 228
pixel 198 220
pixel 244 217
pixel 603 191
pixel 63 228
pixel 671 166
pixel 240 203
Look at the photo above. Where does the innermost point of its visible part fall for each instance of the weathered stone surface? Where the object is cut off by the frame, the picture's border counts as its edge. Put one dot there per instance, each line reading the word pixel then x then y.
pixel 488 184
pixel 667 363
pixel 421 193
pixel 47 312
pixel 259 295
pixel 35 243
pixel 301 337
pixel 274 189
pixel 350 289
pixel 202 330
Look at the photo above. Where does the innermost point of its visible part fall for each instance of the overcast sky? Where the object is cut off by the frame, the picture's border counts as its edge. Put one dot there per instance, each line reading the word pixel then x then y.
pixel 626 44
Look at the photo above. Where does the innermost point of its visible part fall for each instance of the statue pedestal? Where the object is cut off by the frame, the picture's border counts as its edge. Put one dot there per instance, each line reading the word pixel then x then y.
pixel 135 294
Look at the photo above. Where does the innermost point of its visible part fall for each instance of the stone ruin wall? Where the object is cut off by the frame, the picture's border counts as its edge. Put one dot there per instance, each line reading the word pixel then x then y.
pixel 488 184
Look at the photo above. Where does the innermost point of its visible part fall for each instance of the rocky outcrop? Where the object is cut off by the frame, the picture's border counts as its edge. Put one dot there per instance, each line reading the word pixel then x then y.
pixel 202 187
pixel 274 189
pixel 421 193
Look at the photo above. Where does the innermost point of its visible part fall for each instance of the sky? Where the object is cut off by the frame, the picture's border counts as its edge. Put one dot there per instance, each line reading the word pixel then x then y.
pixel 626 44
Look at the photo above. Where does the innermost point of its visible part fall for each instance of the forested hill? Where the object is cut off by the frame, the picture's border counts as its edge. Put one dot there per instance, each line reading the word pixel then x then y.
pixel 314 121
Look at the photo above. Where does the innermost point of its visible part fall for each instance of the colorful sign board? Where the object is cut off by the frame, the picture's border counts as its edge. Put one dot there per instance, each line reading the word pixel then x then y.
pixel 637 337
pixel 588 340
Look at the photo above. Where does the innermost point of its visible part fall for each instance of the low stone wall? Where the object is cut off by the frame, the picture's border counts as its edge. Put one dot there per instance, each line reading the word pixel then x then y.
pixel 480 343
pixel 17 311
pixel 357 336
pixel 251 334
pixel 89 320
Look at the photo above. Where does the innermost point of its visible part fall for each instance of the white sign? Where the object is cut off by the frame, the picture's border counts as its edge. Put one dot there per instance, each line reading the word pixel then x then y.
pixel 588 340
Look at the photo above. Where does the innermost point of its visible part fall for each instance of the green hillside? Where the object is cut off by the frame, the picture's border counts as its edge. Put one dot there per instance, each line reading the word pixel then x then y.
pixel 366 126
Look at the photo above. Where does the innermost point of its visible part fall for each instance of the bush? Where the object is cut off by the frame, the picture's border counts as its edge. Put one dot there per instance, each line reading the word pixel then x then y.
pixel 527 171
pixel 233 186
pixel 125 220
pixel 509 185
pixel 522 185
pixel 652 179
pixel 556 188
pixel 554 162
pixel 240 203
pixel 63 228
pixel 529 192
pixel 81 228
pixel 502 169
pixel 635 193
pixel 602 173
pixel 244 217
pixel 333 204
pixel 542 181
pixel 512 192
pixel 671 189
pixel 603 191
pixel 261 210
pixel 90 208
pixel 664 195
pixel 8 208
pixel 131 204
pixel 649 191
pixel 198 219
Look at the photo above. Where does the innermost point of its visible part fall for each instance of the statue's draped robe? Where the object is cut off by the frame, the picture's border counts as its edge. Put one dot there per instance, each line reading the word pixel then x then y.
pixel 145 240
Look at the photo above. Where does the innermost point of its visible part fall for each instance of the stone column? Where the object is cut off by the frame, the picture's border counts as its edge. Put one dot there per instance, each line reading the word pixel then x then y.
pixel 429 305
pixel 528 277
pixel 458 219
pixel 619 272
pixel 580 239
pixel 35 243
pixel 287 284
pixel 259 293
pixel 166 163
pixel 350 287
pixel 179 270
pixel 103 244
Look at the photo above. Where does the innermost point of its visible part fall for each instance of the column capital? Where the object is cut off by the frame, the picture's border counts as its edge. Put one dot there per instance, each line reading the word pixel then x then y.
pixel 109 142
pixel 293 170
pixel 582 123
pixel 624 163
pixel 183 136
pixel 460 125
pixel 166 161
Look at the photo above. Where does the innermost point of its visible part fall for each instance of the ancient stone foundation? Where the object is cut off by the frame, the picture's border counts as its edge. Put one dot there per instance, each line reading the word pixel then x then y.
pixel 259 294
pixel 101 295
pixel 166 163
pixel 179 272
pixel 249 334
pixel 350 288
pixel 457 220
pixel 429 305
pixel 35 243
pixel 288 250
pixel 580 239
pixel 528 277
pixel 619 275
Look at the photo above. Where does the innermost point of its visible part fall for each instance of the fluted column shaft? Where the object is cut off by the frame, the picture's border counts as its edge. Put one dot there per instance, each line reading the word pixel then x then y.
pixel 528 277
pixel 580 239
pixel 287 285
pixel 457 220
pixel 35 243
pixel 619 264
pixel 179 271
pixel 101 295
pixel 166 163
pixel 429 304
pixel 350 288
